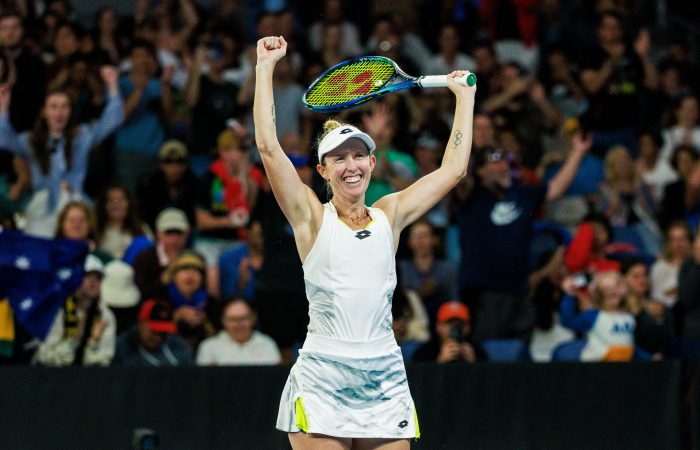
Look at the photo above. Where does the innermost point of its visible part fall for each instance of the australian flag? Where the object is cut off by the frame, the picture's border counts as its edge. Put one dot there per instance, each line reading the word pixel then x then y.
pixel 37 275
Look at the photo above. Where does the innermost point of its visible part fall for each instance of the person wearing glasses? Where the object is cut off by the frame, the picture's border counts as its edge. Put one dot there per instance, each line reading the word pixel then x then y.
pixel 495 215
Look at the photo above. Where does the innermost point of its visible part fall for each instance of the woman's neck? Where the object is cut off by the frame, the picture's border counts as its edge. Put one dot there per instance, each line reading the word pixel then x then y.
pixel 423 261
pixel 676 260
pixel 187 293
pixel 255 250
pixel 231 168
pixel 625 185
pixel 116 224
pixel 355 213
pixel 649 162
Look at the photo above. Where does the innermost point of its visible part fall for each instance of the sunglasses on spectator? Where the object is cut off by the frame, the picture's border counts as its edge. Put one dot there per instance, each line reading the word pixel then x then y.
pixel 173 161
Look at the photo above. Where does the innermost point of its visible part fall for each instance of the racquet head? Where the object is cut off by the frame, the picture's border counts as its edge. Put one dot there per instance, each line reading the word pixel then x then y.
pixel 350 83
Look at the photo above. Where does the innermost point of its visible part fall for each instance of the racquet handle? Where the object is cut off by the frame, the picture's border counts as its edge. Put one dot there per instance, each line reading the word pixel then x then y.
pixel 430 81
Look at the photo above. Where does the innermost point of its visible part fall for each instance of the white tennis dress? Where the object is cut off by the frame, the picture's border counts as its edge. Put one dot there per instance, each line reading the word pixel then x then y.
pixel 349 379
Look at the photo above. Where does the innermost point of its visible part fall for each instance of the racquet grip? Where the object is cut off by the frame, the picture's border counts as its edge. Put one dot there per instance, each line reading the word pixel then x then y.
pixel 430 81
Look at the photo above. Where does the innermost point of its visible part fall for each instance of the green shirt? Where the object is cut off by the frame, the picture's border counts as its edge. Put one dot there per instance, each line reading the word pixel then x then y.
pixel 402 165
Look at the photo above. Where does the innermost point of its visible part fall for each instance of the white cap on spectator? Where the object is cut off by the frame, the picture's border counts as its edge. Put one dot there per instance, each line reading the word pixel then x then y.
pixel 338 135
pixel 172 219
pixel 93 264
pixel 118 288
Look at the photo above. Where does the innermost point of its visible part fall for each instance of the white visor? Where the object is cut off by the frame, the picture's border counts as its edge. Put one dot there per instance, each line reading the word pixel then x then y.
pixel 341 134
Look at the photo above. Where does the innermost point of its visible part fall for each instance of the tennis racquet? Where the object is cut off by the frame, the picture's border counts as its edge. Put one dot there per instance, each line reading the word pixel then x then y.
pixel 359 80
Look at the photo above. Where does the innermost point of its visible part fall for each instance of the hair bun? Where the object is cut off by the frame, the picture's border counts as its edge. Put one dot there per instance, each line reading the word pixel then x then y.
pixel 330 124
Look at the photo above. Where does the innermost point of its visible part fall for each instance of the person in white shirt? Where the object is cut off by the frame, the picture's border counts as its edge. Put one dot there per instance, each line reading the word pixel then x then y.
pixel 685 130
pixel 238 343
pixel 664 272
pixel 656 172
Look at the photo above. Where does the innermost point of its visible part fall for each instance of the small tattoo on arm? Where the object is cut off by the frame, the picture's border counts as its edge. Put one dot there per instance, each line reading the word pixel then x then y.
pixel 273 115
pixel 458 139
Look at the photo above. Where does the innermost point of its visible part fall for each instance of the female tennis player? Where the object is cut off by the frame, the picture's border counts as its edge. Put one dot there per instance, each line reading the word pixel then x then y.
pixel 348 388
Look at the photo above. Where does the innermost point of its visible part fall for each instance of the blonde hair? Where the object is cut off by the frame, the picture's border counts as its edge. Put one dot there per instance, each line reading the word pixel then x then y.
pixel 612 175
pixel 328 126
pixel 596 289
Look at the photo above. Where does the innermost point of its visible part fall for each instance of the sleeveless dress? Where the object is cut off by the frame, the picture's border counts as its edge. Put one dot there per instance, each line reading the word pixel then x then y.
pixel 349 380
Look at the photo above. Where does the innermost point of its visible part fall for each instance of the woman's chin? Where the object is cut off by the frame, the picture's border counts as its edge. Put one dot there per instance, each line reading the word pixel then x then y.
pixel 354 190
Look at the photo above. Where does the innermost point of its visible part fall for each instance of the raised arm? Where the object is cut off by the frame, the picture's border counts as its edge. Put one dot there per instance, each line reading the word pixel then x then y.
pixel 566 174
pixel 113 114
pixel 297 201
pixel 404 207
pixel 192 87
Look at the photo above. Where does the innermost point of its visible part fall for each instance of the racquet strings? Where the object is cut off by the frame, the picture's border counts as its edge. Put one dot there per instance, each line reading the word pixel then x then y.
pixel 350 82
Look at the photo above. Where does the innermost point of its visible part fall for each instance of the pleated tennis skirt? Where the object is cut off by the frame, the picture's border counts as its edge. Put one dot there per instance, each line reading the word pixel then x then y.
pixel 349 389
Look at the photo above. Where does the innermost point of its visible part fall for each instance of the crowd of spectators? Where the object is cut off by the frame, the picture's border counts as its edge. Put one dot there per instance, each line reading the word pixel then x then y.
pixel 577 221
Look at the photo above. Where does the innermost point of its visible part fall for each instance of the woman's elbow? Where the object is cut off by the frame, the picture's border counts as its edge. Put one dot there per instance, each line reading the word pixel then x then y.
pixel 262 145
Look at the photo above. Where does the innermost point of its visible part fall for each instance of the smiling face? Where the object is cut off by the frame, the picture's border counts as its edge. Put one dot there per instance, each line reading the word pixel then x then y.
pixel 238 321
pixel 348 168
pixel 76 224
pixel 612 290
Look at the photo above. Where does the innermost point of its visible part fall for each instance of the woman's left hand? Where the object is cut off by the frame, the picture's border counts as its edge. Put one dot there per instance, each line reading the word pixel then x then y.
pixel 458 88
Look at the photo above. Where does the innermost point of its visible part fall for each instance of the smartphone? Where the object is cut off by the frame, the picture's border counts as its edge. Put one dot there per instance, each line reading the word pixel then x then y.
pixel 582 279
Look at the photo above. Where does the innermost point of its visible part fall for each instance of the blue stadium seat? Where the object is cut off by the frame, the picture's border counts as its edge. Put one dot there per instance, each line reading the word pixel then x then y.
pixel 505 350
pixel 568 351
pixel 628 235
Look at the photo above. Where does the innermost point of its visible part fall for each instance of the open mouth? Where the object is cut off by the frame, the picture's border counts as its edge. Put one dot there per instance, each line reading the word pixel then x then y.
pixel 352 180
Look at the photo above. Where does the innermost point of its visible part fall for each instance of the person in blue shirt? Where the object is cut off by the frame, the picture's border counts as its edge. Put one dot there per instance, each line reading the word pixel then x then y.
pixel 148 105
pixel 56 149
pixel 495 218
pixel 240 265
pixel 601 315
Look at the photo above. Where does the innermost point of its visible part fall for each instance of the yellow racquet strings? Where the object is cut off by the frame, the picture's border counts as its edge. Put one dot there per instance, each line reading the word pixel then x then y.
pixel 350 82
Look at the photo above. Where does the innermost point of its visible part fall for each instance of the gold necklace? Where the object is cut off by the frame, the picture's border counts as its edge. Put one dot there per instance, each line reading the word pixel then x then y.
pixel 350 218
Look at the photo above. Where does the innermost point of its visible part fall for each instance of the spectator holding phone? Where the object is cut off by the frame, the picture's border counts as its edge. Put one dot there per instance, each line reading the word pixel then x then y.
pixel 452 340
pixel 601 315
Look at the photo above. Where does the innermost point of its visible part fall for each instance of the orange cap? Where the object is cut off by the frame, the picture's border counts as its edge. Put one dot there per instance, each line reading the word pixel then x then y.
pixel 453 310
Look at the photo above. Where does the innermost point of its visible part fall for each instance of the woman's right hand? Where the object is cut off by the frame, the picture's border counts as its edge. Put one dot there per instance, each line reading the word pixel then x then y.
pixel 271 49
